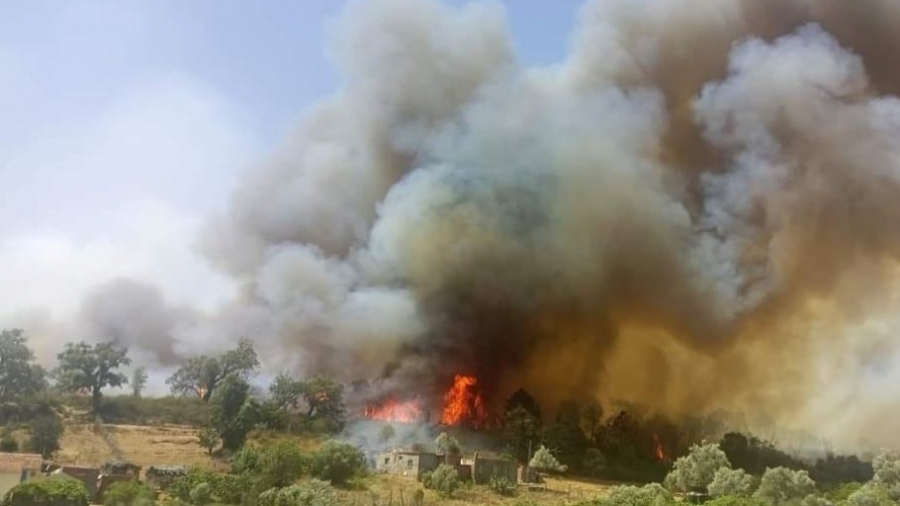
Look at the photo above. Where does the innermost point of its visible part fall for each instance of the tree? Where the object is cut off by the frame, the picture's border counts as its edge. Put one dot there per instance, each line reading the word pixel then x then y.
pixel 648 495
pixel 208 439
pixel 127 493
pixel 446 444
pixel 325 400
pixel 781 485
pixel 202 375
pixel 544 461
pixel 138 381
pixel 45 433
pixel 733 482
pixel 312 493
pixel 386 433
pixel 520 431
pixel 522 399
pixel 695 471
pixel 445 480
pixel 591 416
pixel 337 462
pixel 566 437
pixel 56 491
pixel 887 473
pixel 86 368
pixel 19 375
pixel 232 413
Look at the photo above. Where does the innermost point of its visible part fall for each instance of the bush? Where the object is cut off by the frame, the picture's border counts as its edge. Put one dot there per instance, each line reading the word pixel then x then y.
pixel 227 488
pixel 337 462
pixel 277 465
pixel 870 495
pixel 543 460
pixel 887 473
pixel 126 493
pixel 8 444
pixel 45 434
pixel 649 495
pixel 732 482
pixel 50 492
pixel 502 486
pixel 312 493
pixel 695 471
pixel 842 492
pixel 444 480
pixel 201 495
pixel 781 485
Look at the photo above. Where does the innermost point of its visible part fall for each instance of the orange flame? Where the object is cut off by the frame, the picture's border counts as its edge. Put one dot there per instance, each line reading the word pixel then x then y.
pixel 395 411
pixel 660 451
pixel 463 403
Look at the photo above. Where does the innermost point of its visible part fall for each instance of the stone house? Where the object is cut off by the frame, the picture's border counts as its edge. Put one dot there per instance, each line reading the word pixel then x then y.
pixel 485 466
pixel 89 476
pixel 407 463
pixel 17 468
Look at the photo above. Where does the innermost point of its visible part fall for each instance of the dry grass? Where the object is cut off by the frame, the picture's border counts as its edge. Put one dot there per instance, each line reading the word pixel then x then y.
pixel 142 445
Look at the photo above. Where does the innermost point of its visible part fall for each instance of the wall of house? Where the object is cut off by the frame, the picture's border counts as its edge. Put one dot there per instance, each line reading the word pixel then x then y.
pixel 8 481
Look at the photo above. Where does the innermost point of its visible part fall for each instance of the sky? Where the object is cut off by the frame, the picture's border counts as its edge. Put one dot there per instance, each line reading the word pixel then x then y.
pixel 125 125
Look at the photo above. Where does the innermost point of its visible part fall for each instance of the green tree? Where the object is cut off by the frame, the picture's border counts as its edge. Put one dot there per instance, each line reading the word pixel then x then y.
pixel 648 495
pixel 233 415
pixel 386 433
pixel 732 482
pixel 208 439
pixel 325 401
pixel 286 393
pixel 544 461
pixel 138 381
pixel 446 444
pixel 695 471
pixel 887 473
pixel 202 375
pixel 8 442
pixel 19 375
pixel 337 462
pixel 127 493
pixel 312 493
pixel 781 485
pixel 521 430
pixel 86 368
pixel 566 437
pixel 55 491
pixel 45 434
pixel 445 480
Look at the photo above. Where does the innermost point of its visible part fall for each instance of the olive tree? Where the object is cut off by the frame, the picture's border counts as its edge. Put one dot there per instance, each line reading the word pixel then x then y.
pixel 86 368
pixel 733 482
pixel 696 470
pixel 780 485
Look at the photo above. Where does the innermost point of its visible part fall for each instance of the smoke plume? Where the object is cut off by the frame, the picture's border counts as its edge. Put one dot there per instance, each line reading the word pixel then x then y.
pixel 696 209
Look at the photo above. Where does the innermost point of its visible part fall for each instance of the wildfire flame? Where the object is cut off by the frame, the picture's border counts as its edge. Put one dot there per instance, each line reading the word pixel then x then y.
pixel 393 410
pixel 463 403
pixel 660 452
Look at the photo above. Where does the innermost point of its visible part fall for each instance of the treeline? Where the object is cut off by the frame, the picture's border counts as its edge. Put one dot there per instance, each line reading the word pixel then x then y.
pixel 627 447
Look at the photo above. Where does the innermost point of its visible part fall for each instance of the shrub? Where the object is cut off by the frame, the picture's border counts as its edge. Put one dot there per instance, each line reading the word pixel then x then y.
pixel 733 482
pixel 337 462
pixel 51 492
pixel 45 434
pixel 870 495
pixel 208 439
pixel 281 464
pixel 444 480
pixel 9 444
pixel 543 460
pixel 595 463
pixel 842 492
pixel 126 493
pixel 649 495
pixel 201 495
pixel 227 488
pixel 887 473
pixel 695 471
pixel 815 500
pixel 781 485
pixel 312 493
pixel 502 486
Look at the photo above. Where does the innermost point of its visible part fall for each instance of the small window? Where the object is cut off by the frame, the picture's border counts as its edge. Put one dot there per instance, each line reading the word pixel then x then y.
pixel 409 463
pixel 386 460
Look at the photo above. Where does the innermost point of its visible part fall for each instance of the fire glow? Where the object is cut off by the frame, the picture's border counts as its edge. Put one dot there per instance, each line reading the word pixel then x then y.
pixel 393 410
pixel 659 452
pixel 463 403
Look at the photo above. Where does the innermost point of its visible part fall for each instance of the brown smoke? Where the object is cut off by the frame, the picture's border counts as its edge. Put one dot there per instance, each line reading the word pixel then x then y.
pixel 696 210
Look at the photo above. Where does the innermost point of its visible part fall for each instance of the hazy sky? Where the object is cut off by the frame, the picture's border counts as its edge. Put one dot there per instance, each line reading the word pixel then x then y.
pixel 123 126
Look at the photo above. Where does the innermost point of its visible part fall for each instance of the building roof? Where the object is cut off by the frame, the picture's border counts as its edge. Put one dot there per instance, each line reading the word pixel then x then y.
pixel 15 462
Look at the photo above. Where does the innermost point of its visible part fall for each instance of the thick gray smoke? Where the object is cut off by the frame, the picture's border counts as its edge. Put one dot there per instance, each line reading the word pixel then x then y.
pixel 697 209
